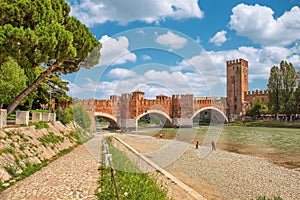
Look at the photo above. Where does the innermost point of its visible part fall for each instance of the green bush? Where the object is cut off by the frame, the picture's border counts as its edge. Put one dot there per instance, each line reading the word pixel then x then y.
pixel 64 116
pixel 81 116
pixel 75 113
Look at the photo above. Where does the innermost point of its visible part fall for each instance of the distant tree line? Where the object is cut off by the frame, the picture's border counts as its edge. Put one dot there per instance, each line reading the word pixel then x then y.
pixel 283 93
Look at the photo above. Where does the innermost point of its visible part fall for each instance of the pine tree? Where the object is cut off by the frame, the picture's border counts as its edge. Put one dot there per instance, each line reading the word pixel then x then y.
pixel 42 33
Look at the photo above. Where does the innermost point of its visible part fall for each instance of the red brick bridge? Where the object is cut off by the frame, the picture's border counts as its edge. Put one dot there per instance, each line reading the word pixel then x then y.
pixel 180 110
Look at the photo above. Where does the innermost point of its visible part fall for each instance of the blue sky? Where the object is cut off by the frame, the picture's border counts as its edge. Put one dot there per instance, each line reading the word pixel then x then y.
pixel 181 46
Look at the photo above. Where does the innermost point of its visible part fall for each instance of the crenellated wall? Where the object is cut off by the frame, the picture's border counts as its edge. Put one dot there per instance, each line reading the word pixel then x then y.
pixel 128 107
pixel 251 96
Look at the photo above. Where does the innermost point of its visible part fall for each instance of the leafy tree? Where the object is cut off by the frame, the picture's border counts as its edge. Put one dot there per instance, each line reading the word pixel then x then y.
pixel 288 81
pixel 42 33
pixel 258 109
pixel 12 81
pixel 274 89
pixel 297 97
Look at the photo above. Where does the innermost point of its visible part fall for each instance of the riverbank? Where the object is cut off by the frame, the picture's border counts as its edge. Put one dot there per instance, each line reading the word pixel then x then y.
pixel 222 174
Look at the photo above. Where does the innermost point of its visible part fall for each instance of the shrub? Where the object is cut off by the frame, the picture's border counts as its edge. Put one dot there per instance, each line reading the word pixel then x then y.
pixel 64 116
pixel 81 116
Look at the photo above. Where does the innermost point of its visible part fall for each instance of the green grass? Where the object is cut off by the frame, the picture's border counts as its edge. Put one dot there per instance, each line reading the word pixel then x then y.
pixel 42 111
pixel 39 125
pixel 282 139
pixel 30 168
pixel 7 150
pixel 132 185
pixel 264 123
pixel 11 117
pixel 51 138
pixel 12 170
pixel 266 198
pixel 22 147
pixel 79 136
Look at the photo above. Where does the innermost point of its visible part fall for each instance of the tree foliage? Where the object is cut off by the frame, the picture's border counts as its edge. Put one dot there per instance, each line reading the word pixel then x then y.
pixel 258 109
pixel 42 33
pixel 81 116
pixel 289 78
pixel 283 96
pixel 12 81
pixel 274 89
pixel 76 113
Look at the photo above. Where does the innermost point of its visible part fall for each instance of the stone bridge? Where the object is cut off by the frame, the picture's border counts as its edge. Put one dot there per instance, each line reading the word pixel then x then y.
pixel 180 110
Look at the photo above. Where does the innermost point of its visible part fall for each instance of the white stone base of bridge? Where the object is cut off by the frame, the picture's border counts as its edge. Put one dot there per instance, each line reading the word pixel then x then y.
pixel 183 122
pixel 127 124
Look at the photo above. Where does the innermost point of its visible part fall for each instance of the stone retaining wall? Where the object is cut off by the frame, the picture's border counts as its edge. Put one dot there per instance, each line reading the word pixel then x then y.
pixel 22 117
pixel 26 144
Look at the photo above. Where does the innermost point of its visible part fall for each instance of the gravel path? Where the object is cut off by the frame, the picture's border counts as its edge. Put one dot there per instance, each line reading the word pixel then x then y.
pixel 72 176
pixel 222 175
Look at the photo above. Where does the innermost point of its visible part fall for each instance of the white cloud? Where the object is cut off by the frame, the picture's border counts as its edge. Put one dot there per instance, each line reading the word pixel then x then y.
pixel 141 32
pixel 260 60
pixel 219 38
pixel 121 73
pixel 199 75
pixel 171 41
pixel 258 23
pixel 146 57
pixel 196 63
pixel 93 12
pixel 115 51
pixel 198 40
pixel 152 82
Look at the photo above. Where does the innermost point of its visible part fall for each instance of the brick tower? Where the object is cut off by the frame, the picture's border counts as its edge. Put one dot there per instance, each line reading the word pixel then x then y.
pixel 237 84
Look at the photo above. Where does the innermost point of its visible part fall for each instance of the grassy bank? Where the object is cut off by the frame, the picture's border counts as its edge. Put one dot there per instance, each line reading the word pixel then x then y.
pixel 263 123
pixel 131 183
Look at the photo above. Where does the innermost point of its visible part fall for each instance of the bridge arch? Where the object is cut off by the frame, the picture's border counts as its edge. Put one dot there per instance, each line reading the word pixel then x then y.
pixel 108 117
pixel 159 113
pixel 211 108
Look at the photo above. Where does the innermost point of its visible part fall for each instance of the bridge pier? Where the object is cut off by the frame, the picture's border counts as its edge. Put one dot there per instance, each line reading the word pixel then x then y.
pixel 127 124
pixel 183 122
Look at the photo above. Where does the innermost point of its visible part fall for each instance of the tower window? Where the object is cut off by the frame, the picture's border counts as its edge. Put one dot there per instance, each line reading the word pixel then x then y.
pixel 235 98
pixel 235 107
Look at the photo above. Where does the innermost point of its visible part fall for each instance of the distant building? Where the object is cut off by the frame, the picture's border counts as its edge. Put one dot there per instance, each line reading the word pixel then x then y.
pixel 239 99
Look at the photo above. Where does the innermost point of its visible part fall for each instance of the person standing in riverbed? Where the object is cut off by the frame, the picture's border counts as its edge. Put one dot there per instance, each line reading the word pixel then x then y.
pixel 213 146
pixel 197 144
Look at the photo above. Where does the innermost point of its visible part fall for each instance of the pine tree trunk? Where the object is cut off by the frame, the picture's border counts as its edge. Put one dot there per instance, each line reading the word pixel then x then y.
pixel 11 107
